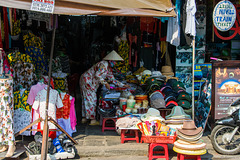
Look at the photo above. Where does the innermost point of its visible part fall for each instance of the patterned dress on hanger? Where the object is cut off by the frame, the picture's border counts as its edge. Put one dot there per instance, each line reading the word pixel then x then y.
pixel 6 114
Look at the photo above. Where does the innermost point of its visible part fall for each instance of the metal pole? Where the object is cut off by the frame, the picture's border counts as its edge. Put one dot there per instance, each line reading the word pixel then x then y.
pixel 44 150
pixel 193 65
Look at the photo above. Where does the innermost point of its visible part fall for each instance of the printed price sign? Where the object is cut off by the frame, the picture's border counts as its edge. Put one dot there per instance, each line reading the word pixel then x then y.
pixel 224 15
pixel 46 6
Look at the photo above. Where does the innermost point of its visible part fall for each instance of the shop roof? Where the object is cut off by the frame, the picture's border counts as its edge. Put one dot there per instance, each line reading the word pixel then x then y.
pixel 159 8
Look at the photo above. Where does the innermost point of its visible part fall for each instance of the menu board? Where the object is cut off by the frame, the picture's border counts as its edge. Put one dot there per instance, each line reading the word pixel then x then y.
pixel 226 87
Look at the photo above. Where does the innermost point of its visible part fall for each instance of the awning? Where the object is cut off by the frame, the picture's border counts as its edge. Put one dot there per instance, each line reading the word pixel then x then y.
pixel 159 8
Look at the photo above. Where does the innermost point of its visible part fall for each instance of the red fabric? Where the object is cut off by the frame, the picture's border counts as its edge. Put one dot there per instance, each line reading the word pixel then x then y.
pixel 64 111
pixel 148 24
pixel 1 45
pixel 6 29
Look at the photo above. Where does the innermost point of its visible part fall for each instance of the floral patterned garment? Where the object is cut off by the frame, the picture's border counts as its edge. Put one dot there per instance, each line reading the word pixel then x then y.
pixel 23 74
pixel 54 101
pixel 123 51
pixel 89 83
pixel 60 81
pixel 38 58
pixel 20 101
pixel 34 48
pixel 6 114
pixel 21 119
pixel 14 57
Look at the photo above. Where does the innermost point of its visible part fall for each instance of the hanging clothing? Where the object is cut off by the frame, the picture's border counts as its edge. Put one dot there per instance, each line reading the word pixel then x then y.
pixel 64 112
pixel 6 65
pixel 89 83
pixel 60 81
pixel 190 23
pixel 34 48
pixel 64 60
pixel 31 98
pixel 64 123
pixel 17 56
pixel 23 74
pixel 133 50
pixel 54 102
pixel 21 118
pixel 73 118
pixel 6 114
pixel 123 51
pixel 173 33
pixel 20 101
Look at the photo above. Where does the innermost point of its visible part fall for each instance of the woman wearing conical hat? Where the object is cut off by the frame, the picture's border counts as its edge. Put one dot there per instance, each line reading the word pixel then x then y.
pixel 90 81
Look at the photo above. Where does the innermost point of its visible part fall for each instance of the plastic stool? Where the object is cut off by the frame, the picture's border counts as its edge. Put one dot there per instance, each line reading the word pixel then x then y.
pixel 184 156
pixel 133 132
pixel 151 152
pixel 105 127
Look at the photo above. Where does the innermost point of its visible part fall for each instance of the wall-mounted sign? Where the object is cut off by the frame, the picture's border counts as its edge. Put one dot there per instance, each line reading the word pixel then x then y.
pixel 46 6
pixel 224 15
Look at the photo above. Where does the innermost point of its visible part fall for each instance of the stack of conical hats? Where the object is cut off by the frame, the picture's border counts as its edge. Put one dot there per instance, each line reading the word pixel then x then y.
pixel 189 141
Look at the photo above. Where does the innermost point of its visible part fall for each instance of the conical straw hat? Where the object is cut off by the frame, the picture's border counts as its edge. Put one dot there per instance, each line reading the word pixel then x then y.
pixel 113 56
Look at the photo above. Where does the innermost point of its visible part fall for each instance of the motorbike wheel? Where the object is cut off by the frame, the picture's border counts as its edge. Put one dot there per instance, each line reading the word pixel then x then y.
pixel 219 142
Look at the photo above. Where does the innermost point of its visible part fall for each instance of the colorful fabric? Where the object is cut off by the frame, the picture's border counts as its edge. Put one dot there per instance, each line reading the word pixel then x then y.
pixel 73 118
pixel 38 58
pixel 60 83
pixel 31 98
pixel 22 119
pixel 14 57
pixel 64 123
pixel 34 48
pixel 123 50
pixel 20 101
pixel 64 112
pixel 56 65
pixel 6 65
pixel 6 114
pixel 23 74
pixel 40 103
pixel 89 83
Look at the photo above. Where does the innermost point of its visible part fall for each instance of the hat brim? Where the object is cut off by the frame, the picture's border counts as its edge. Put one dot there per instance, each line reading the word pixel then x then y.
pixel 145 118
pixel 190 146
pixel 190 132
pixel 190 152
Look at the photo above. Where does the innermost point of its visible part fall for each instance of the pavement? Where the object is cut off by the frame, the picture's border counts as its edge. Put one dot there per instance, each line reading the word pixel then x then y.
pixel 93 144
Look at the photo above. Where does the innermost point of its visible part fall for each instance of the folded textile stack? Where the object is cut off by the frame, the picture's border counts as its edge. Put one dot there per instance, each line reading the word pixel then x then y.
pixel 189 142
pixel 176 118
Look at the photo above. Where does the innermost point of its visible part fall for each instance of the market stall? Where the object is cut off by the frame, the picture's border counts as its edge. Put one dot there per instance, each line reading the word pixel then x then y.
pixel 148 90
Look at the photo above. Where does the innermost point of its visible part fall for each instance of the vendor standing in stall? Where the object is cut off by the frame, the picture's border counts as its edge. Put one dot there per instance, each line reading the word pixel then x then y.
pixel 90 81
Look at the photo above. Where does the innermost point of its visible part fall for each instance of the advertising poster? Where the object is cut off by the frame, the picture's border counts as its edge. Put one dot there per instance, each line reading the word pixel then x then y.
pixel 227 89
pixel 201 76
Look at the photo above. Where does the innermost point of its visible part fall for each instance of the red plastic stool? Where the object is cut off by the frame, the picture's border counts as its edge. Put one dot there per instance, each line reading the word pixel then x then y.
pixel 184 156
pixel 151 152
pixel 133 132
pixel 104 125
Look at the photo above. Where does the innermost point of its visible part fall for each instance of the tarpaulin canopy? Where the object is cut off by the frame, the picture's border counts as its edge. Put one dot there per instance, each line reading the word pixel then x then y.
pixel 160 8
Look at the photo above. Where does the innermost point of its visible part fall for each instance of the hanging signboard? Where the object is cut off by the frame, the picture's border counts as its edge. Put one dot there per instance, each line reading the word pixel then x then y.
pixel 46 6
pixel 224 15
pixel 226 86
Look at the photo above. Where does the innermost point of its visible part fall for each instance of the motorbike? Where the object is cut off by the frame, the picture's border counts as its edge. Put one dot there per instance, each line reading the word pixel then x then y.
pixel 225 136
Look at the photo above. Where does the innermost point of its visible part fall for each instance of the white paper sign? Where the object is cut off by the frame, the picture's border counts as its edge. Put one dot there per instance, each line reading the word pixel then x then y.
pixel 224 15
pixel 46 6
